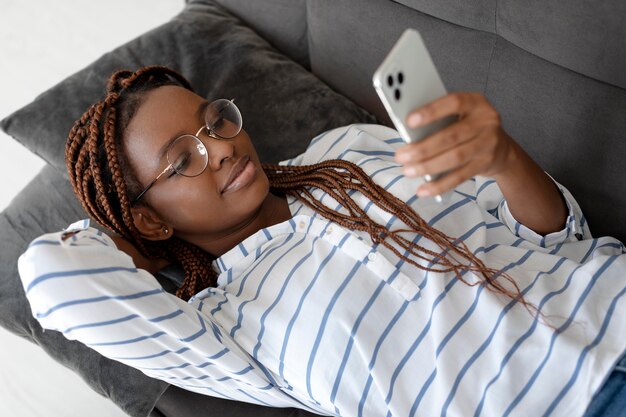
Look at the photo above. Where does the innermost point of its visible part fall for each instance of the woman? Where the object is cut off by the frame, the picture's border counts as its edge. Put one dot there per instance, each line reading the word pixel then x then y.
pixel 328 282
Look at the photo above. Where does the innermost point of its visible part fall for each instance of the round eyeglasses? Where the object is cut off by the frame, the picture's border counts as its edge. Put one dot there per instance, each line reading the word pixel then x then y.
pixel 187 155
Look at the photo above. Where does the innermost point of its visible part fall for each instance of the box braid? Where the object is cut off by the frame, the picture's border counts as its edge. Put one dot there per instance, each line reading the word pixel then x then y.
pixel 103 180
pixel 336 177
pixel 105 184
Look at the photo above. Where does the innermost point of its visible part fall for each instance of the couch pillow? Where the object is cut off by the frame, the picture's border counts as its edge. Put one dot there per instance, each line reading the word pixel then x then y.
pixel 283 106
pixel 290 36
pixel 46 204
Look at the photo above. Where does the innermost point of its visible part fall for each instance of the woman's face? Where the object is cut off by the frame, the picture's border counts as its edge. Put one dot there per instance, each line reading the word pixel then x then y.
pixel 213 205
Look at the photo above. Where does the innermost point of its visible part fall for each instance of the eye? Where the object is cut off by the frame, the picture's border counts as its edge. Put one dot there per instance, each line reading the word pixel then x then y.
pixel 171 174
pixel 218 122
pixel 181 163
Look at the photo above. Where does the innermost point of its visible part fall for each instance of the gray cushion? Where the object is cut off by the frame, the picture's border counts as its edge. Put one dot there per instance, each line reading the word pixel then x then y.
pixel 177 402
pixel 476 14
pixel 572 122
pixel 281 22
pixel 589 38
pixel 46 204
pixel 283 107
pixel 584 37
pixel 572 125
pixel 460 54
pixel 282 103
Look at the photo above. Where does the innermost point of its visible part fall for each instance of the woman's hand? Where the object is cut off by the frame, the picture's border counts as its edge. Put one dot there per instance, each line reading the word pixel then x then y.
pixel 152 265
pixel 477 145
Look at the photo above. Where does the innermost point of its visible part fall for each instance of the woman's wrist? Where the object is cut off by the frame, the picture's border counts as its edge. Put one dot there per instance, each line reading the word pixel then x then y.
pixel 514 166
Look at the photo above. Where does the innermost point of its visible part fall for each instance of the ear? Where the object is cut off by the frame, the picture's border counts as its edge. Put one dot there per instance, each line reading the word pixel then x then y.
pixel 150 225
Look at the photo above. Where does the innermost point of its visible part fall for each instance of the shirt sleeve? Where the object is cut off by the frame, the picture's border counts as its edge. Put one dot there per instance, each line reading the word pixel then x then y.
pixel 576 228
pixel 80 284
pixel 353 143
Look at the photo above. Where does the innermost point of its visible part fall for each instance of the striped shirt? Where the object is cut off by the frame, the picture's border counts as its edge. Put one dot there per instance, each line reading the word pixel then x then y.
pixel 309 314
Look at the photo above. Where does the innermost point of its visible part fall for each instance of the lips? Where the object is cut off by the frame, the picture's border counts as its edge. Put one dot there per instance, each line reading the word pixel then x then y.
pixel 234 174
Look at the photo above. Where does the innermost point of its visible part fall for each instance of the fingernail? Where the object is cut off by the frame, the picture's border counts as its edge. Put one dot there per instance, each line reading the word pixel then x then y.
pixel 410 171
pixel 402 157
pixel 423 192
pixel 414 119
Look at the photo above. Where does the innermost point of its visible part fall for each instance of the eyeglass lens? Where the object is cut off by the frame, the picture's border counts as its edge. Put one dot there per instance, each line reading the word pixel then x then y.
pixel 188 156
pixel 223 118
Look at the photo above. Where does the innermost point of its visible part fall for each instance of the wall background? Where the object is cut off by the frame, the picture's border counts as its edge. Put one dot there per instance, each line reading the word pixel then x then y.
pixel 41 43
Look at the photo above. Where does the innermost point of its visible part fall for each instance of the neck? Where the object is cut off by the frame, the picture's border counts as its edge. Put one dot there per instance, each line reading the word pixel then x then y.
pixel 274 210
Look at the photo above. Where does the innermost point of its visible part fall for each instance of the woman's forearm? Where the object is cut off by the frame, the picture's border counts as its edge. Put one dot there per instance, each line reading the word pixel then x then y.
pixel 532 197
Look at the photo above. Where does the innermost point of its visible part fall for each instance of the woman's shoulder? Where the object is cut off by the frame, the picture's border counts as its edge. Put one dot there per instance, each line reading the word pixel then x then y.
pixel 77 247
pixel 339 142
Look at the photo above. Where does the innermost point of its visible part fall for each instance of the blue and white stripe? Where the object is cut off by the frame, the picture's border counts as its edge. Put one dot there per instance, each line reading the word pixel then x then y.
pixel 308 314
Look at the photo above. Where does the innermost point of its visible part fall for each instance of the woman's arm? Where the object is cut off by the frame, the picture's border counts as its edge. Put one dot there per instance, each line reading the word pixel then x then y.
pixel 477 145
pixel 152 265
pixel 78 283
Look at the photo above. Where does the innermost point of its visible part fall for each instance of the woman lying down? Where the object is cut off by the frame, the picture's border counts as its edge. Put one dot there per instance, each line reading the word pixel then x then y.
pixel 332 282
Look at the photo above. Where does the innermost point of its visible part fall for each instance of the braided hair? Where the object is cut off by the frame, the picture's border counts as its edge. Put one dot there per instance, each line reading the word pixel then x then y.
pixel 105 184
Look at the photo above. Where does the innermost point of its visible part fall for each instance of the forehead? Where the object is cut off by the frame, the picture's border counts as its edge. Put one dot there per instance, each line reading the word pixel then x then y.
pixel 164 112
pixel 163 107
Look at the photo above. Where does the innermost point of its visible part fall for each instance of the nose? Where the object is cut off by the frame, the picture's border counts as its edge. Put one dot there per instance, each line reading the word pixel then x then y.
pixel 219 150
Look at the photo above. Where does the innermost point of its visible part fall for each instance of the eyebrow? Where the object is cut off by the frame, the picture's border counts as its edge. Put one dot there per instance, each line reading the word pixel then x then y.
pixel 199 112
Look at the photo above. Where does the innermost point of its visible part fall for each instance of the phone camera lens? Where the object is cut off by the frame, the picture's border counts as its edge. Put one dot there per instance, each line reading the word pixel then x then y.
pixel 400 78
pixel 396 93
pixel 389 80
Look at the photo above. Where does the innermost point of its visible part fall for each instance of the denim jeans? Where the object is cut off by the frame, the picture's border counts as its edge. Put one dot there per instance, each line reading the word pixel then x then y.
pixel 610 401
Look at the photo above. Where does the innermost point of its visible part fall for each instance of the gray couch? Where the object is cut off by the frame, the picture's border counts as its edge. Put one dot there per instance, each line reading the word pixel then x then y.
pixel 556 71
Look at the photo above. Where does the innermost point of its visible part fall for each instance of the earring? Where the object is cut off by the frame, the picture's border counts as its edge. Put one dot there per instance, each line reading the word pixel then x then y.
pixel 166 231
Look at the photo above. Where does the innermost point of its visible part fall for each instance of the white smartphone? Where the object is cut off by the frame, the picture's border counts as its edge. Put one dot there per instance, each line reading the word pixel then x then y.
pixel 406 80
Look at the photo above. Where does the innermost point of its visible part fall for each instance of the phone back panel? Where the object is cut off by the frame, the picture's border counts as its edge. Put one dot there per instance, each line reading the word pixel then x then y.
pixel 406 80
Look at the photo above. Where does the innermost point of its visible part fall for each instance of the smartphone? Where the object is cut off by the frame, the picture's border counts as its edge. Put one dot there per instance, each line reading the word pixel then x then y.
pixel 406 80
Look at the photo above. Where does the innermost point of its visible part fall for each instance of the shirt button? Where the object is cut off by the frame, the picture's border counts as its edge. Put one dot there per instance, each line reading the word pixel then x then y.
pixel 371 257
pixel 301 224
pixel 329 230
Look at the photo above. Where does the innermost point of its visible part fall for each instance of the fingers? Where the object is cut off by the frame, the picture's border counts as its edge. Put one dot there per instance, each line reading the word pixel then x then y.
pixel 474 157
pixel 452 104
pixel 476 114
pixel 445 161
pixel 474 145
pixel 439 142
pixel 447 182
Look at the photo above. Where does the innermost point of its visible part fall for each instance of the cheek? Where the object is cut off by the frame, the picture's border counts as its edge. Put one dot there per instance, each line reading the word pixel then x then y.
pixel 199 208
pixel 184 200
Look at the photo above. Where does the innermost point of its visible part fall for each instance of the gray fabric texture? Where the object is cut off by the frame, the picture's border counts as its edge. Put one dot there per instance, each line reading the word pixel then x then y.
pixel 572 123
pixel 460 54
pixel 586 37
pixel 283 107
pixel 281 22
pixel 176 402
pixel 46 204
pixel 476 14
pixel 589 38
pixel 282 103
